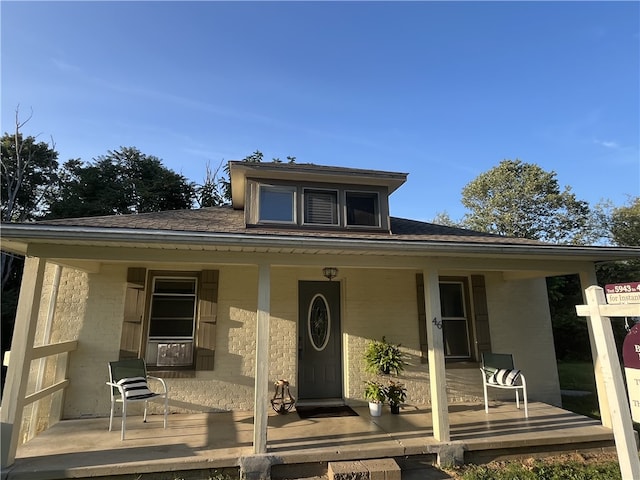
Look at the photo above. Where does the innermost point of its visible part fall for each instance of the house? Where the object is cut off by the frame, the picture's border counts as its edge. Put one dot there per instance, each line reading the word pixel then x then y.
pixel 289 282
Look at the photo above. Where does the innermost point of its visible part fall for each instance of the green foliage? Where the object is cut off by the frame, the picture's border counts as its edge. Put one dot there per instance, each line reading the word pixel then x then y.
pixel 211 192
pixel 123 181
pixel 374 391
pixel 625 224
pixel 522 200
pixel 29 169
pixel 384 358
pixel 395 392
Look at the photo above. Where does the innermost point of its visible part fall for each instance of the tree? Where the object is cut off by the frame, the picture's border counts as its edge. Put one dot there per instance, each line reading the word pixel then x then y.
pixel 522 200
pixel 211 192
pixel 255 157
pixel 123 181
pixel 443 218
pixel 624 227
pixel 28 169
pixel 28 172
pixel 625 224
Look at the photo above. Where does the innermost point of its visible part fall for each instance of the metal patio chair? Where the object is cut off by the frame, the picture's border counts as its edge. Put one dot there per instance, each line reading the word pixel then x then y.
pixel 128 382
pixel 498 371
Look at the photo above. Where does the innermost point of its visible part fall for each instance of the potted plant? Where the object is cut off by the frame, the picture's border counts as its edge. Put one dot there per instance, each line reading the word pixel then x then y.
pixel 396 393
pixel 375 393
pixel 384 358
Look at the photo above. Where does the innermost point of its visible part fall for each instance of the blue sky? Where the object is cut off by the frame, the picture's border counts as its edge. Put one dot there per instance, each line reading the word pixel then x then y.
pixel 441 90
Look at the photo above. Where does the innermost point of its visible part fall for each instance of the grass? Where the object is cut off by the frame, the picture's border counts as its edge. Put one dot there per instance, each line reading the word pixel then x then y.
pixel 579 376
pixel 542 470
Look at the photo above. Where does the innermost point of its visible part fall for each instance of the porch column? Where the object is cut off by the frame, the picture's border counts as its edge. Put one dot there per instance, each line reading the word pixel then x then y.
pixel 587 279
pixel 437 373
pixel 24 332
pixel 261 402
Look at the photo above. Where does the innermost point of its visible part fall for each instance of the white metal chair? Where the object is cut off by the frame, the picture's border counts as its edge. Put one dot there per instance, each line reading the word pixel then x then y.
pixel 128 381
pixel 498 371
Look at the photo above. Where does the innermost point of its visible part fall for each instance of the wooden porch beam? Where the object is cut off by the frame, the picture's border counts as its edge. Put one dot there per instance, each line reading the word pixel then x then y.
pixel 261 390
pixel 437 373
pixel 13 398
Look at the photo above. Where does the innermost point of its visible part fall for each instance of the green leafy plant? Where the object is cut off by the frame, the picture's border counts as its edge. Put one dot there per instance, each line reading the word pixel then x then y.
pixel 374 391
pixel 395 392
pixel 384 358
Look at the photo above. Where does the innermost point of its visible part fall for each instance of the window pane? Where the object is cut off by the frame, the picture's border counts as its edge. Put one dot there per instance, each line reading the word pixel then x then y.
pixel 320 207
pixel 276 204
pixel 451 300
pixel 172 306
pixel 171 327
pixel 362 208
pixel 175 285
pixel 456 340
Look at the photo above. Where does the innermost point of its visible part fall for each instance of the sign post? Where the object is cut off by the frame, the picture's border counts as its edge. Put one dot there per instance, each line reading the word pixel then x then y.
pixel 599 314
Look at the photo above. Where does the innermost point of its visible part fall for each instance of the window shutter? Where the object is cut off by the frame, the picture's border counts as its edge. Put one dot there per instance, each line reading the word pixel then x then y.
pixel 207 319
pixel 422 318
pixel 133 314
pixel 483 336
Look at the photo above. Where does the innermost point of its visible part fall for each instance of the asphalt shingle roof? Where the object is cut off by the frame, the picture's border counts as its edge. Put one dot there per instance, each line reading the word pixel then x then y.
pixel 230 221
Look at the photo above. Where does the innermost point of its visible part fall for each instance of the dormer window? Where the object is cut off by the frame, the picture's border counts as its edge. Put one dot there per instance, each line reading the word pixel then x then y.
pixel 320 207
pixel 313 197
pixel 277 204
pixel 362 209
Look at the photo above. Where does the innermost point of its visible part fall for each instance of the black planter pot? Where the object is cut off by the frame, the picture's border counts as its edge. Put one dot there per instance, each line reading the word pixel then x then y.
pixel 395 409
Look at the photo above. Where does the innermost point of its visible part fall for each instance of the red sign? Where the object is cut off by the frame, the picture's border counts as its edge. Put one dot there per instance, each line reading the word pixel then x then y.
pixel 631 348
pixel 618 293
pixel 629 287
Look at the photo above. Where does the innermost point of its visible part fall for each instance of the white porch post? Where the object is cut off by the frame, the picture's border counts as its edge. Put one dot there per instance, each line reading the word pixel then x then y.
pixel 588 278
pixel 437 373
pixel 20 361
pixel 261 402
pixel 46 339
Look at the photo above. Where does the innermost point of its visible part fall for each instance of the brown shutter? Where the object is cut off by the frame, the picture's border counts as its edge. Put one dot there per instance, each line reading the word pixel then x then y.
pixel 207 318
pixel 483 336
pixel 133 313
pixel 422 318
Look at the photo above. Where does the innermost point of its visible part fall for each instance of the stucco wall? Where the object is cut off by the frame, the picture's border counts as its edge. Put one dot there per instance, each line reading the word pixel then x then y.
pixel 375 302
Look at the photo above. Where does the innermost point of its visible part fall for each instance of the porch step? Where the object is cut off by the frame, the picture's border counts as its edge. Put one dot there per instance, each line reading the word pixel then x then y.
pixel 375 469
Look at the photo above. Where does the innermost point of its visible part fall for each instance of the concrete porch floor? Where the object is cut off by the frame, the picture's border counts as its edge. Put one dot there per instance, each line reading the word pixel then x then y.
pixel 85 448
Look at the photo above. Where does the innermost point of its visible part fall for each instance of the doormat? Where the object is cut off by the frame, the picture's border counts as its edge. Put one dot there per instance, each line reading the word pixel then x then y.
pixel 319 411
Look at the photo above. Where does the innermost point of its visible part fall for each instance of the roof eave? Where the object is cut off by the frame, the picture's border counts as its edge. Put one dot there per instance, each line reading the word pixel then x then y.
pixel 17 237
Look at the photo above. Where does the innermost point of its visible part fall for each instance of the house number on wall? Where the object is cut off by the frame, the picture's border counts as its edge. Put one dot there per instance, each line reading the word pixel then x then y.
pixel 318 322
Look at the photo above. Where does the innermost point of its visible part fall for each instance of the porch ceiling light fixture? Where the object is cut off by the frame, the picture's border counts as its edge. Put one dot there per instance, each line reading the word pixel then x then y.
pixel 330 272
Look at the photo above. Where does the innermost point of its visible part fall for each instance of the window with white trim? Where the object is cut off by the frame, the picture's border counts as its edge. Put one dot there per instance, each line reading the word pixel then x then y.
pixel 320 207
pixel 277 204
pixel 172 321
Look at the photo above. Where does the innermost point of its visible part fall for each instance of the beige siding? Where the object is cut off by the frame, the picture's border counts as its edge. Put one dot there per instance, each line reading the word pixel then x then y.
pixel 521 325
pixel 375 302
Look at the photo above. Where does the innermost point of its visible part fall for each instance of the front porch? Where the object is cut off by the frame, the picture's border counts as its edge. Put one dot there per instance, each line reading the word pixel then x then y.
pixel 218 440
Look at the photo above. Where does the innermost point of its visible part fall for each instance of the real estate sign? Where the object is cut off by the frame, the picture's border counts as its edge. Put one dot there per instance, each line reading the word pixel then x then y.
pixel 623 293
pixel 631 359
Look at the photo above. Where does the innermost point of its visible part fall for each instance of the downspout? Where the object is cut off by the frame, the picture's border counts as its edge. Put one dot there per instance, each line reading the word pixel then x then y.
pixel 46 340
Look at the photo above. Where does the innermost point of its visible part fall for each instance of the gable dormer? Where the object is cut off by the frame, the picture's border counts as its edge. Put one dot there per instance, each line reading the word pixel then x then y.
pixel 290 195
